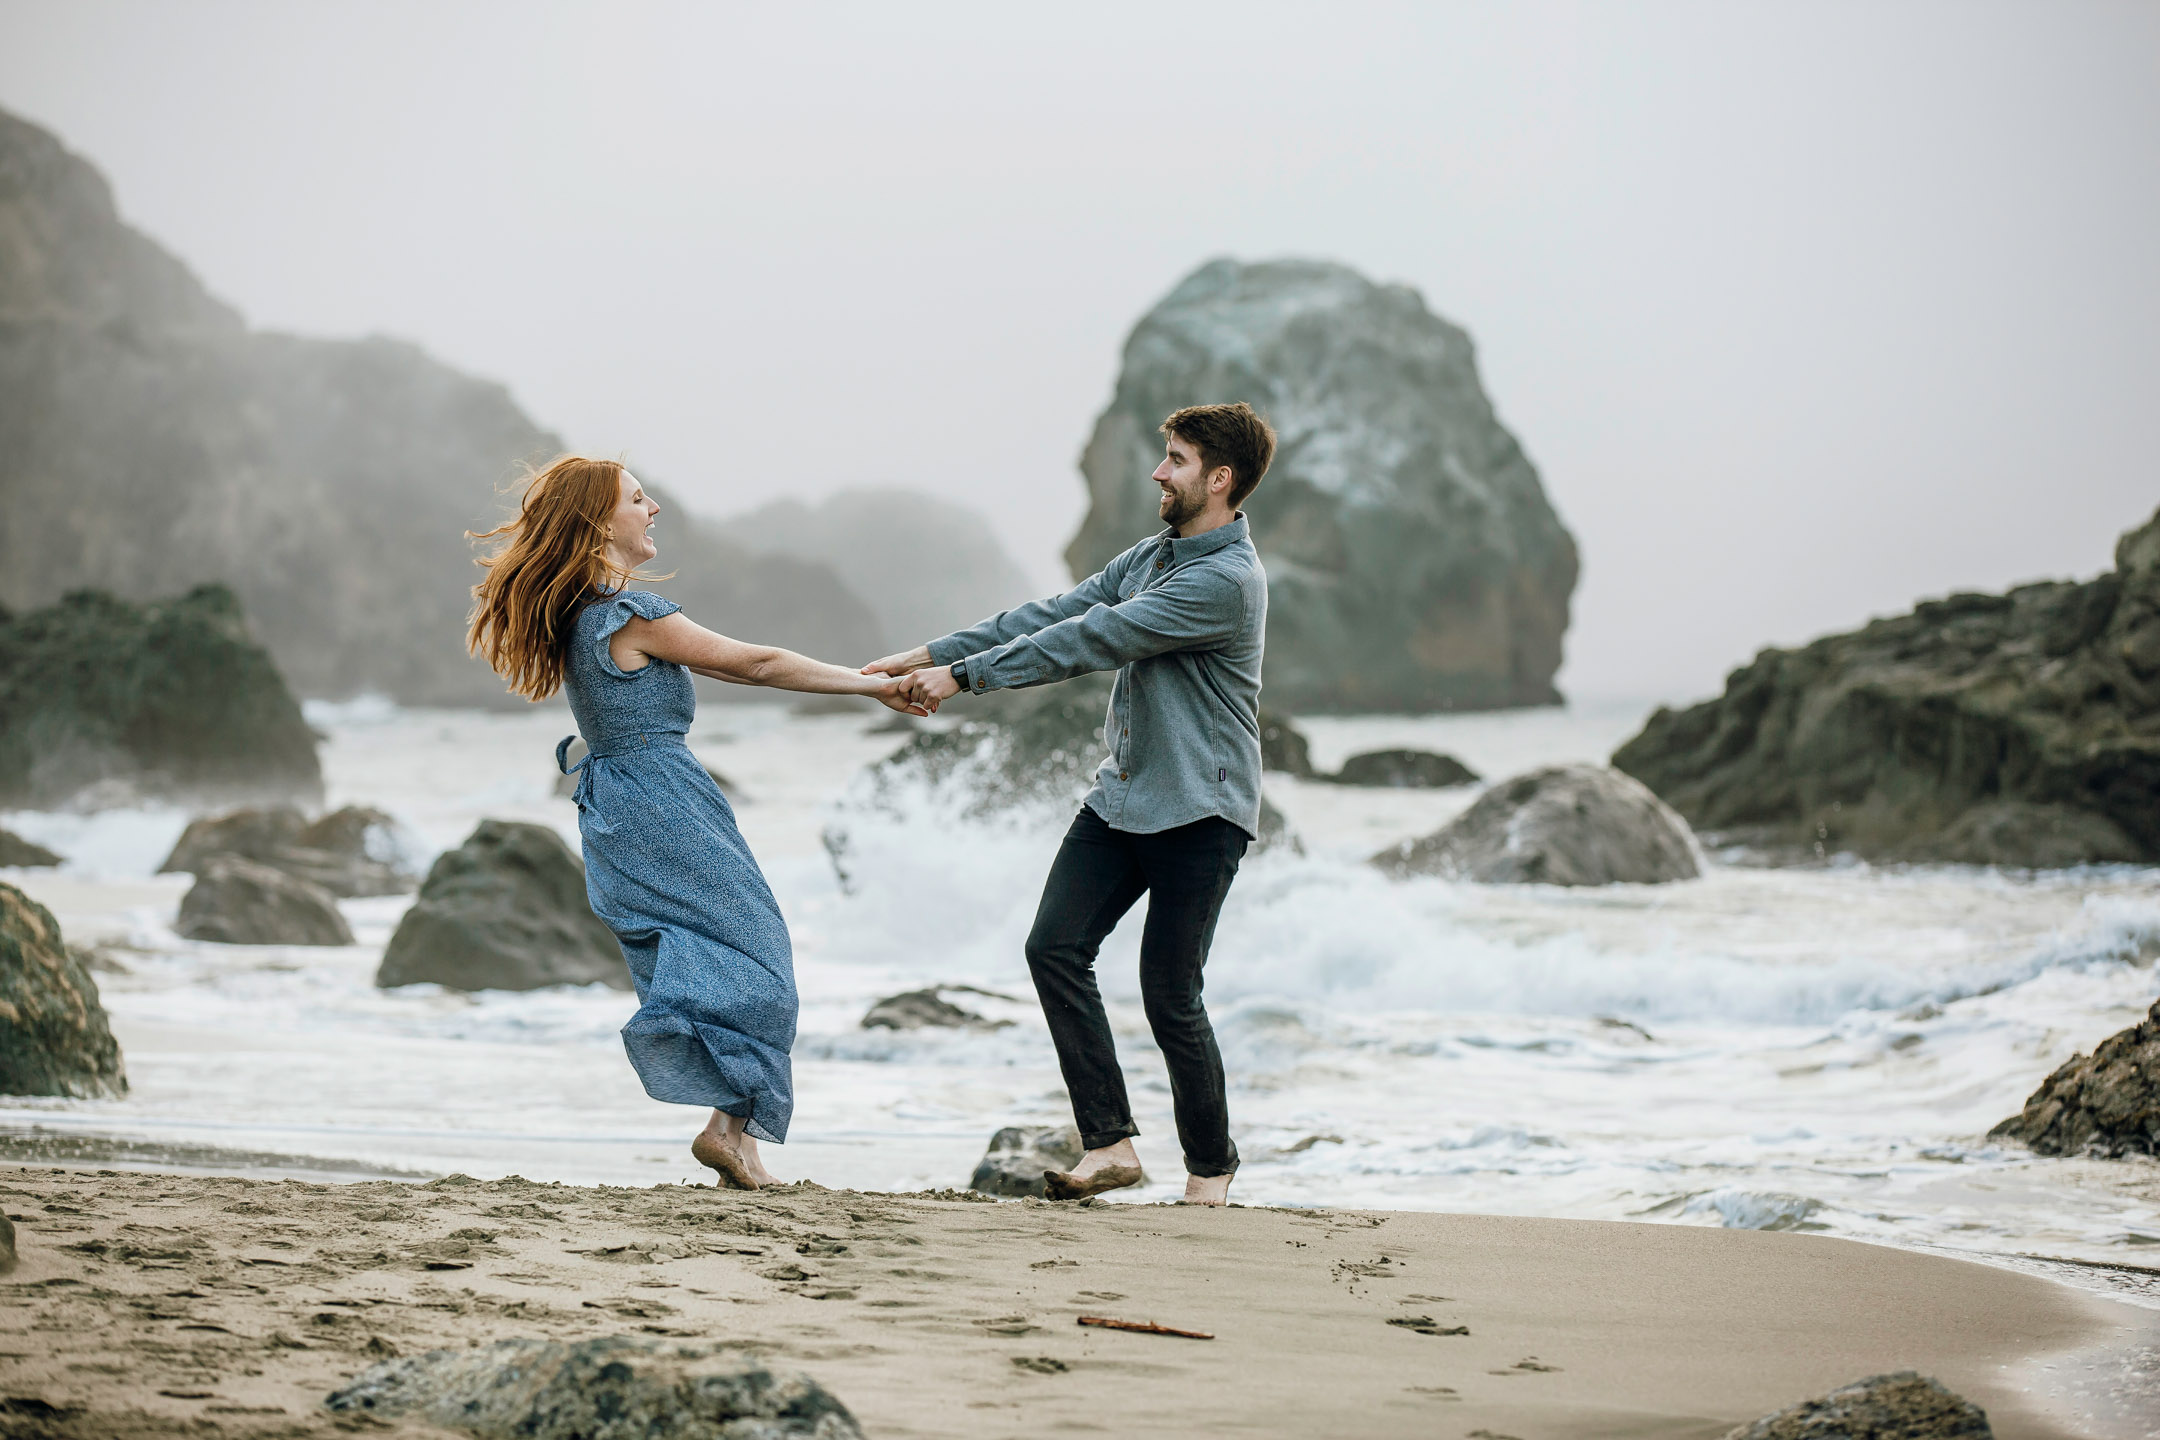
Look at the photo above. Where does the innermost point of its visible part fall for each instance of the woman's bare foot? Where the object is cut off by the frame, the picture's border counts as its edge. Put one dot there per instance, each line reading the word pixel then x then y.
pixel 1111 1168
pixel 1207 1189
pixel 747 1148
pixel 720 1146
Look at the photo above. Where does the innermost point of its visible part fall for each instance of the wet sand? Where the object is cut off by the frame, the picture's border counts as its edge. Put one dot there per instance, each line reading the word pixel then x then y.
pixel 147 1303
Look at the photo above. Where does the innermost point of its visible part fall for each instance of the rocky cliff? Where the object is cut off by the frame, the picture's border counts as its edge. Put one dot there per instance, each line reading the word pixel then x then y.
pixel 1414 562
pixel 150 442
pixel 961 575
pixel 2019 729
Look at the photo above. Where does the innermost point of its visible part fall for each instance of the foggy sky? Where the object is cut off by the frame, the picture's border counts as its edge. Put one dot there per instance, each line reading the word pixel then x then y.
pixel 1801 311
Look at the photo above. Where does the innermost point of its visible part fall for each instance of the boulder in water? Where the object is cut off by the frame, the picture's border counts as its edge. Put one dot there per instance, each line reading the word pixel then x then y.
pixel 54 1037
pixel 506 910
pixel 1018 1155
pixel 926 1009
pixel 1903 1406
pixel 2020 729
pixel 1413 559
pixel 238 902
pixel 350 852
pixel 18 853
pixel 181 703
pixel 605 1389
pixel 1283 746
pixel 1404 770
pixel 1561 825
pixel 2106 1103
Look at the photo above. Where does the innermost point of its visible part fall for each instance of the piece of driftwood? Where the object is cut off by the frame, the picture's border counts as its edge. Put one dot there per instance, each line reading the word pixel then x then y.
pixel 1145 1327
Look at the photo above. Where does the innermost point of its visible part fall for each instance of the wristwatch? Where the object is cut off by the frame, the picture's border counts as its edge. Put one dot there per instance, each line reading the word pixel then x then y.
pixel 959 674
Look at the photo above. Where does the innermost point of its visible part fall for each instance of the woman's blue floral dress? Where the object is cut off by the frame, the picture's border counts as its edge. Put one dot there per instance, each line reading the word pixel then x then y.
pixel 669 873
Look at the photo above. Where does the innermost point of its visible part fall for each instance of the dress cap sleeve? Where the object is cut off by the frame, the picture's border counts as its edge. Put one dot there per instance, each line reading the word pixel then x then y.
pixel 615 612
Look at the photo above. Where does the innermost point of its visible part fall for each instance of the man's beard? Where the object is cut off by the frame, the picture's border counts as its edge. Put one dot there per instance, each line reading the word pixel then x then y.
pixel 1179 507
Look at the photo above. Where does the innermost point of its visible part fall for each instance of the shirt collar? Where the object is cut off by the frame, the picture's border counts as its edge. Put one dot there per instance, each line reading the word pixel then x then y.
pixel 1207 544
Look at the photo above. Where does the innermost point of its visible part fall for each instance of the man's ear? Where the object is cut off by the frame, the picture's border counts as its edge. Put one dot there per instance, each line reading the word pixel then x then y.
pixel 1221 480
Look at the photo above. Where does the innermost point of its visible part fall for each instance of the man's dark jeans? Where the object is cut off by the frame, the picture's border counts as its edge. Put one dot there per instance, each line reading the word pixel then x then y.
pixel 1099 874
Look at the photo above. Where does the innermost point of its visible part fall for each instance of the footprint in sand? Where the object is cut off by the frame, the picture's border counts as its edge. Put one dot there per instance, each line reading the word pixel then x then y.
pixel 1528 1365
pixel 1426 1325
pixel 1039 1364
pixel 1097 1295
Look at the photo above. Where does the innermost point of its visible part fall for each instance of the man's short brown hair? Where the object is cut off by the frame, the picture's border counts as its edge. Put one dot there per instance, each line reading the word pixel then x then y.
pixel 1232 435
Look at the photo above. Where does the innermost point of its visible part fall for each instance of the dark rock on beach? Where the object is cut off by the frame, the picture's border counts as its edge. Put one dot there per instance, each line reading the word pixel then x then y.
pixel 1561 825
pixel 1404 770
pixel 1903 1406
pixel 153 442
pixel 7 1244
pixel 18 853
pixel 2106 1103
pixel 1018 1155
pixel 1283 746
pixel 350 852
pixel 506 910
pixel 2019 729
pixel 612 1388
pixel 1414 561
pixel 54 1037
pixel 238 902
pixel 106 702
pixel 926 1009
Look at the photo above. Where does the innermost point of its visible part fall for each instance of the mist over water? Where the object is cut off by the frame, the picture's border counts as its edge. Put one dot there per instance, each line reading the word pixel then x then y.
pixel 1815 1047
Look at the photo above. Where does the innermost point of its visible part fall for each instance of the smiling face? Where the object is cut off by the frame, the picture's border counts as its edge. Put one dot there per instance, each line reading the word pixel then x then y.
pixel 1187 483
pixel 628 543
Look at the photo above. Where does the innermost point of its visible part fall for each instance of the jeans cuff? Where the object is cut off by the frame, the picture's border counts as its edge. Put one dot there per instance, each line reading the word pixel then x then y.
pixel 1104 1139
pixel 1209 1171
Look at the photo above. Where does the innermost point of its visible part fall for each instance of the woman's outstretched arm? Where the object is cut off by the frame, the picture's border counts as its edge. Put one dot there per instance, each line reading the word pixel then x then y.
pixel 682 641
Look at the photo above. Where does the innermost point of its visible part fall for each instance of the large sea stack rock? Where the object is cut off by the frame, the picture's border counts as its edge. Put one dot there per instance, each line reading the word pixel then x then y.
pixel 2107 1103
pixel 54 1038
pixel 150 442
pixel 1413 560
pixel 350 852
pixel 1562 825
pixel 1903 1406
pixel 2019 729
pixel 101 700
pixel 611 1388
pixel 504 911
pixel 238 902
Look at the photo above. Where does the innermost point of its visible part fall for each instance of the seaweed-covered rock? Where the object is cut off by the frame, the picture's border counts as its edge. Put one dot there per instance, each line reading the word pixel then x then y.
pixel 1903 1406
pixel 2020 729
pixel 1414 561
pixel 2106 1103
pixel 238 902
pixel 1018 1155
pixel 612 1388
pixel 1027 753
pixel 350 852
pixel 921 1009
pixel 21 854
pixel 1404 770
pixel 1560 825
pixel 104 700
pixel 506 910
pixel 54 1038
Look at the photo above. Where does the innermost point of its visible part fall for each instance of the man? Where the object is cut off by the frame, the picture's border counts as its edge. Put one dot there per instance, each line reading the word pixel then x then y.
pixel 1181 617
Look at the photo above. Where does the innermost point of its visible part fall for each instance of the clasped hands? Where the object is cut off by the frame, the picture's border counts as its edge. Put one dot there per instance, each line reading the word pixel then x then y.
pixel 918 687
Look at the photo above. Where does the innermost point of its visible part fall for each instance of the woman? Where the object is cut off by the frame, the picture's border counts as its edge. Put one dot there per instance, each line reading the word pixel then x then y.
pixel 665 867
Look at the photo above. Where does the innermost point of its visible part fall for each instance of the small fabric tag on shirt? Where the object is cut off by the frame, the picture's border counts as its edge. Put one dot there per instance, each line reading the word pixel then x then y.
pixel 1222 774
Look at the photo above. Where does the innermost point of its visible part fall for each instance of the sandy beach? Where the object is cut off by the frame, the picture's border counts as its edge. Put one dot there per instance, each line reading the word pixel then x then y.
pixel 145 1304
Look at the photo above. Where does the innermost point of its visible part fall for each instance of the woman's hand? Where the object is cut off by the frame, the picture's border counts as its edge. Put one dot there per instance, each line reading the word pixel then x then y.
pixel 897 694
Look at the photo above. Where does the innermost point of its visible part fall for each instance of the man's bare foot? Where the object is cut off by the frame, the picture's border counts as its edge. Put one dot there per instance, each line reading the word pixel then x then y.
pixel 719 1146
pixel 1111 1168
pixel 1207 1189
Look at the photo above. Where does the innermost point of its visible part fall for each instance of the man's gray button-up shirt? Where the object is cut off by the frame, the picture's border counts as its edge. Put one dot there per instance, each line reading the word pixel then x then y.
pixel 1183 622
